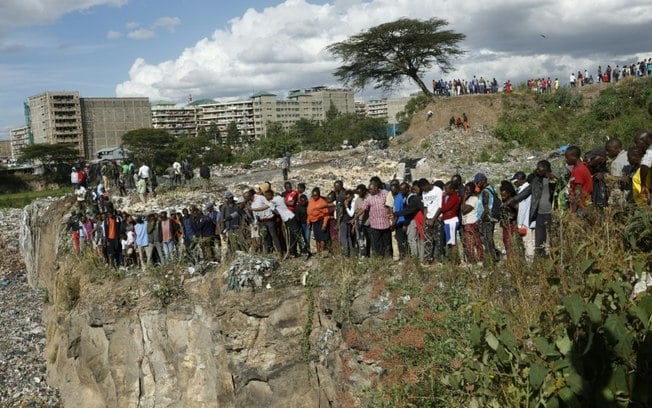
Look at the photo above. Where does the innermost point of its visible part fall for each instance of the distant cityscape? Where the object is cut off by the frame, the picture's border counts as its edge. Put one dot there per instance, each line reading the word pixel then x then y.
pixel 96 124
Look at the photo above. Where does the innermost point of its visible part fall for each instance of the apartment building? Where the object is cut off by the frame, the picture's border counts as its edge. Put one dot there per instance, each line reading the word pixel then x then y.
pixel 377 108
pixel 177 120
pixel 106 120
pixel 221 114
pixel 311 104
pixel 5 151
pixel 19 138
pixel 55 117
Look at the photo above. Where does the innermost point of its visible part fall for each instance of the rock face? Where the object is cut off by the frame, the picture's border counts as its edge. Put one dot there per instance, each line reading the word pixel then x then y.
pixel 234 353
pixel 112 344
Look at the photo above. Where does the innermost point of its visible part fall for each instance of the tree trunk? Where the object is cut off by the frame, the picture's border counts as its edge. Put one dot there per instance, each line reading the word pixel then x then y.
pixel 424 88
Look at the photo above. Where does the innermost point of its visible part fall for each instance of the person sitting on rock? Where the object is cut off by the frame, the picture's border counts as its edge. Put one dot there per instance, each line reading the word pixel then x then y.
pixel 458 122
pixel 451 122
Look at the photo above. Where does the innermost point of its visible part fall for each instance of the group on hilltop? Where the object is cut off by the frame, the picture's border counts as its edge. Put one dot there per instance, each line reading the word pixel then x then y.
pixel 457 87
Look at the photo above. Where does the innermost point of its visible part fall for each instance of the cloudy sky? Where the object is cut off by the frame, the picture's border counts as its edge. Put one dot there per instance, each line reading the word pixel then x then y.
pixel 168 49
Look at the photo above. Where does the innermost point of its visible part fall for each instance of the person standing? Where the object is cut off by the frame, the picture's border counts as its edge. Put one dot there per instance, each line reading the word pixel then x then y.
pixel 487 200
pixel 295 237
pixel 380 233
pixel 525 227
pixel 542 190
pixel 473 248
pixel 431 196
pixel 581 181
pixel 317 211
pixel 285 167
pixel 262 210
pixel 144 173
pixel 169 230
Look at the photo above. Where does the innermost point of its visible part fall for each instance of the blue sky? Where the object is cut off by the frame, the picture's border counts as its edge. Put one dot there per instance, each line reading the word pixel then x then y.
pixel 167 49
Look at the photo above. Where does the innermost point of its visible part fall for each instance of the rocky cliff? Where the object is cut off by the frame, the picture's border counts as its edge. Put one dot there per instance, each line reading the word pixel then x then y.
pixel 114 341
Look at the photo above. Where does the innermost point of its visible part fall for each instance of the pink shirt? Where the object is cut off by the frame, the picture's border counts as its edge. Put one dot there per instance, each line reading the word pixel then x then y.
pixel 378 218
pixel 165 230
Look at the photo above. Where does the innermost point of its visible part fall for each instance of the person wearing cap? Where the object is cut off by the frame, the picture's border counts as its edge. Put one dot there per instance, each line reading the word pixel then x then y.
pixel 487 223
pixel 542 190
pixel 204 229
pixel 525 227
pixel 232 215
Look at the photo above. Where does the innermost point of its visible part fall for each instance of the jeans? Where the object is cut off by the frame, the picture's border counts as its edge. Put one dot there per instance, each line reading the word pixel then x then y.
pixel 168 249
pixel 159 250
pixel 414 241
pixel 541 233
pixel 345 238
pixel 270 226
pixel 487 238
pixel 296 238
pixel 305 229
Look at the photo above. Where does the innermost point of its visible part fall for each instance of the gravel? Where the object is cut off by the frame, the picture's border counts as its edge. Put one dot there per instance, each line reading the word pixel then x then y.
pixel 22 337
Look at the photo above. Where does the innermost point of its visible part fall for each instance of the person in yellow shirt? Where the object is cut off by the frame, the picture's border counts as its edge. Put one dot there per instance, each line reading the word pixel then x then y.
pixel 634 155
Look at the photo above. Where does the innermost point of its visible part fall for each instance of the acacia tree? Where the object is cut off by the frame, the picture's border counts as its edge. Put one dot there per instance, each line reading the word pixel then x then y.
pixel 50 154
pixel 151 146
pixel 387 53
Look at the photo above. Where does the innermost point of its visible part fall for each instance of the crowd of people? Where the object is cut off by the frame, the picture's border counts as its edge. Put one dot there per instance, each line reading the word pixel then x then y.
pixel 457 87
pixel 426 219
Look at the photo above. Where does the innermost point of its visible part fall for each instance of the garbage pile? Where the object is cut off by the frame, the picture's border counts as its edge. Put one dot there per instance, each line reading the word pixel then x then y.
pixel 249 270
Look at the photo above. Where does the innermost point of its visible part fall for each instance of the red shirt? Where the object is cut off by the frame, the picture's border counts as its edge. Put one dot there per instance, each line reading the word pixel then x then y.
pixel 291 200
pixel 580 175
pixel 450 206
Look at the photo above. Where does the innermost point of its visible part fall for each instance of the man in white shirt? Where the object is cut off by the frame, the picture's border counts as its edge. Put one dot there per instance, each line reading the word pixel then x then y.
pixel 144 173
pixel 432 198
pixel 176 167
pixel 262 210
pixel 525 228
pixel 295 237
pixel 618 161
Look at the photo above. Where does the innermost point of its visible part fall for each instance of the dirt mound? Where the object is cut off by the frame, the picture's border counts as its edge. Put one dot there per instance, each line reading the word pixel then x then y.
pixel 482 110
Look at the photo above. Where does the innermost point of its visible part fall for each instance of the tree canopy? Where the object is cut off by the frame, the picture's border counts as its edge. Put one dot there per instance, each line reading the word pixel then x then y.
pixel 387 53
pixel 149 146
pixel 50 154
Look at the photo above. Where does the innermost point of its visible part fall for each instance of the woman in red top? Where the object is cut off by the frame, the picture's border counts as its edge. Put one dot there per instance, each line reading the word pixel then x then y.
pixel 317 212
pixel 449 212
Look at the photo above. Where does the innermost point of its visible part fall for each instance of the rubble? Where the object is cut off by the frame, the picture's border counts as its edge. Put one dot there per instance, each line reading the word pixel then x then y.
pixel 249 270
pixel 22 338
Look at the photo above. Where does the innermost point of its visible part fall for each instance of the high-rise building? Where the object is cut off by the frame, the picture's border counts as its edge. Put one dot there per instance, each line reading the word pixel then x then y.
pixel 377 108
pixel 5 151
pixel 55 117
pixel 106 120
pixel 177 120
pixel 222 114
pixel 311 104
pixel 19 138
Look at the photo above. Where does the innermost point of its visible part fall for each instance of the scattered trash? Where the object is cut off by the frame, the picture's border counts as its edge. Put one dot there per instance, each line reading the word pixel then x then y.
pixel 249 270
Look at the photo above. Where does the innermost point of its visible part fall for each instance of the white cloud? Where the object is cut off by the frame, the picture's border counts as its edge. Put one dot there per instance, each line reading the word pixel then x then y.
pixel 21 13
pixel 141 34
pixel 132 25
pixel 283 47
pixel 169 23
pixel 112 35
